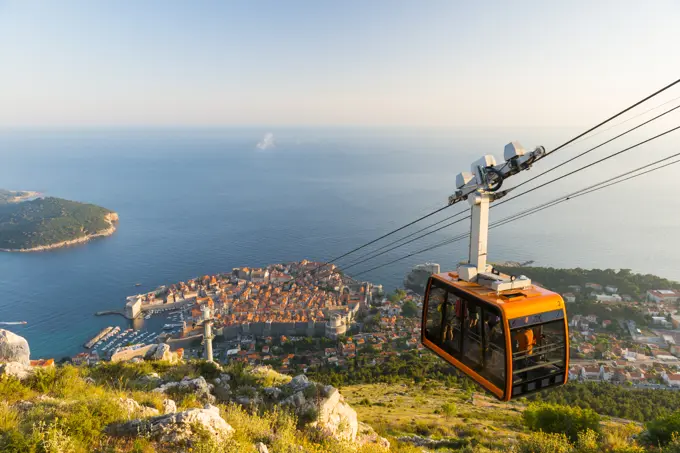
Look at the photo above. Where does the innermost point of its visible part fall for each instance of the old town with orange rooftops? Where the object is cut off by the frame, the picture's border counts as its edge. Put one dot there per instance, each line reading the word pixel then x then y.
pixel 290 316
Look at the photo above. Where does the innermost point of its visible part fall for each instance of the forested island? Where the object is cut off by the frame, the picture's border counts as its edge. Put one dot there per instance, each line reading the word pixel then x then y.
pixel 47 223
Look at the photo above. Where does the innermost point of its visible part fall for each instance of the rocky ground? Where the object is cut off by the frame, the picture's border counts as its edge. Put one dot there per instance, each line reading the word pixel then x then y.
pixel 160 405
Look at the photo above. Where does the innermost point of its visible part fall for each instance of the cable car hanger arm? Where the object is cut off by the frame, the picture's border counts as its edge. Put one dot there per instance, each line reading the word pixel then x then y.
pixel 480 187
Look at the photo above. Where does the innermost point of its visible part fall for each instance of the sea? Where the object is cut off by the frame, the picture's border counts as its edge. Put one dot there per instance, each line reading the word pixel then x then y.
pixel 196 201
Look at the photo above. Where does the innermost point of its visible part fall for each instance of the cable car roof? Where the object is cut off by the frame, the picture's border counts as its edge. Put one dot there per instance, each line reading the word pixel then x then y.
pixel 514 303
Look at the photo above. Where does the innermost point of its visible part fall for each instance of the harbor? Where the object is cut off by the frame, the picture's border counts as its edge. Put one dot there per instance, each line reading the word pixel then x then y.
pixel 158 325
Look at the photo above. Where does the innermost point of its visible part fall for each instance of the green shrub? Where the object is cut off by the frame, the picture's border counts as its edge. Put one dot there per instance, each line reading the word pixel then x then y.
pixel 9 418
pixel 621 438
pixel 449 410
pixel 15 441
pixel 660 431
pixel 12 390
pixel 52 439
pixel 587 442
pixel 85 420
pixel 553 418
pixel 674 445
pixel 61 382
pixel 208 370
pixel 541 442
pixel 633 449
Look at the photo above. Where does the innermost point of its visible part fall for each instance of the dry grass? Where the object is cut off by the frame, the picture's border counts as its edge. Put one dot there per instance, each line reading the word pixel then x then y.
pixel 435 411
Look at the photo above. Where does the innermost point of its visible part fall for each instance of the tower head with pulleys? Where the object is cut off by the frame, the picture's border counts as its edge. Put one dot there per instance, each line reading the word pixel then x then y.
pixel 480 187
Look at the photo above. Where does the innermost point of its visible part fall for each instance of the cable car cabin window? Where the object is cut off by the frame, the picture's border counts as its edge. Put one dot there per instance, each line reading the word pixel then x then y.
pixel 484 342
pixel 443 326
pixel 494 347
pixel 538 352
pixel 469 330
pixel 472 340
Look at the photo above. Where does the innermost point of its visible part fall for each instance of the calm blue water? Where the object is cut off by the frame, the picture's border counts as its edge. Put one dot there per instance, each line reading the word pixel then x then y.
pixel 203 201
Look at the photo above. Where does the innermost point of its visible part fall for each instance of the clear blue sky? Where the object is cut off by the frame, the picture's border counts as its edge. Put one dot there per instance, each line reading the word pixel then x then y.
pixel 277 63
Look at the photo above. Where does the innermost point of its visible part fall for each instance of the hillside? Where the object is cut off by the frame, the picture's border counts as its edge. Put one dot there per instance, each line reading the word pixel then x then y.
pixel 198 407
pixel 51 222
pixel 624 280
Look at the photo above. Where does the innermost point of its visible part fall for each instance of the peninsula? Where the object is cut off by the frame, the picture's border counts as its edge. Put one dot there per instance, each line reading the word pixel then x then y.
pixel 28 225
pixel 16 196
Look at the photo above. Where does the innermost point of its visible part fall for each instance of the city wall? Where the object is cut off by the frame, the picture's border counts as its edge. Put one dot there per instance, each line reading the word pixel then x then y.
pixel 169 306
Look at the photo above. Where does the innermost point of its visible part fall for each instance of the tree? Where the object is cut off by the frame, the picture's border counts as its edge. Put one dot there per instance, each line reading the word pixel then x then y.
pixel 554 418
pixel 397 296
pixel 410 309
pixel 661 430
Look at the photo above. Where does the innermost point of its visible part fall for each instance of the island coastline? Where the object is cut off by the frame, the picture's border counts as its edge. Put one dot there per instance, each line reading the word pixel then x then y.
pixel 111 218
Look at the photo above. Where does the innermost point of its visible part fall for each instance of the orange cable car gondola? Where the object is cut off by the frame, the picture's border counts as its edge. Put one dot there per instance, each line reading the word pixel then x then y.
pixel 508 335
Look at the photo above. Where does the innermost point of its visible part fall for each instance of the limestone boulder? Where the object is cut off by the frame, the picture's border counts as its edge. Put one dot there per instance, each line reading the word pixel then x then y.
pixel 176 427
pixel 161 352
pixel 222 390
pixel 298 383
pixel 261 448
pixel 133 408
pixel 169 406
pixel 273 393
pixel 223 378
pixel 14 348
pixel 367 435
pixel 16 369
pixel 336 417
pixel 149 380
pixel 331 414
pixel 199 386
pixel 297 400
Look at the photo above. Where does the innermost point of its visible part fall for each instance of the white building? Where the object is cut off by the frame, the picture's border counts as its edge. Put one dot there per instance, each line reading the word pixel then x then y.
pixel 569 297
pixel 608 298
pixel 611 289
pixel 671 380
pixel 663 295
pixel 661 321
pixel 593 372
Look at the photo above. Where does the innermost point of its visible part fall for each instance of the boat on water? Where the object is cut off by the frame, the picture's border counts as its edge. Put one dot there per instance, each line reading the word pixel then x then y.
pixel 13 323
pixel 138 284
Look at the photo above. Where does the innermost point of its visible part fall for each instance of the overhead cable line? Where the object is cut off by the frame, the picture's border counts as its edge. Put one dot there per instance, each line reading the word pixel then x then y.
pixel 586 166
pixel 375 255
pixel 613 126
pixel 596 147
pixel 436 211
pixel 413 234
pixel 587 190
pixel 611 118
pixel 360 259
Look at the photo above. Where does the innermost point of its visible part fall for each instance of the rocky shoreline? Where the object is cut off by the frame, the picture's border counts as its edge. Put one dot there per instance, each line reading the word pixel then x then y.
pixel 111 218
pixel 26 195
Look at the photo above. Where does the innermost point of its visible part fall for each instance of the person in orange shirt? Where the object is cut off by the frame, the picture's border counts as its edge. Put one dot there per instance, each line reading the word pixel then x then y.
pixel 526 341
